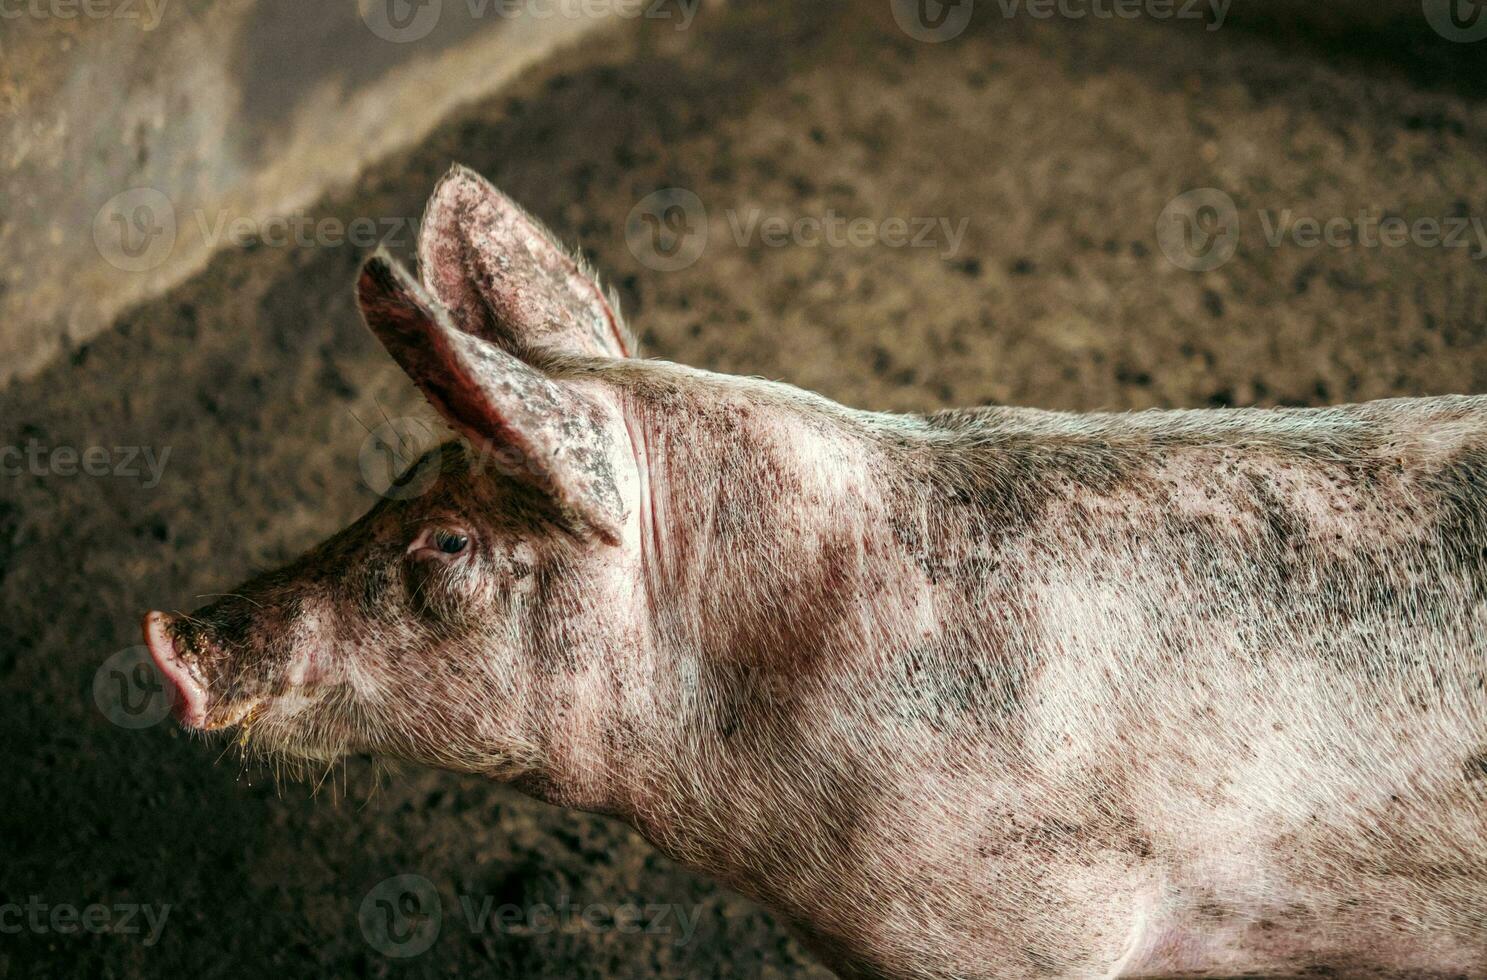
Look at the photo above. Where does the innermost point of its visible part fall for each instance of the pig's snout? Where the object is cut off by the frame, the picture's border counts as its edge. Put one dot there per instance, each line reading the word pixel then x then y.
pixel 190 692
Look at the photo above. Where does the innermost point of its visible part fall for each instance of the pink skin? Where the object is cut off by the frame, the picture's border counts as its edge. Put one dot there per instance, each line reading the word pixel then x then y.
pixel 998 693
pixel 191 700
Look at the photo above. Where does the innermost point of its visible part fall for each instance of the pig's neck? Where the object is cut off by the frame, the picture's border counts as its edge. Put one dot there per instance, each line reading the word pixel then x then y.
pixel 773 562
pixel 752 559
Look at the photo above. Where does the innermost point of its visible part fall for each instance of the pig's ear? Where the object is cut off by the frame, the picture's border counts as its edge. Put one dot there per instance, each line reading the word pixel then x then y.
pixel 536 430
pixel 505 278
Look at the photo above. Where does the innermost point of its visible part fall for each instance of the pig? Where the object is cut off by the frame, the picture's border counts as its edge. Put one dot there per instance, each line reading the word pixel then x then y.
pixel 991 692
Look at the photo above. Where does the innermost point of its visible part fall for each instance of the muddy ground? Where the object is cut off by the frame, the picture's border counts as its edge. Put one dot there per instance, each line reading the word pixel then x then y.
pixel 1058 142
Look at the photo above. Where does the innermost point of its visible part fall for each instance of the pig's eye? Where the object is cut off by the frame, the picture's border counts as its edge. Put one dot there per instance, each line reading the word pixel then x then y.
pixel 448 542
pixel 440 542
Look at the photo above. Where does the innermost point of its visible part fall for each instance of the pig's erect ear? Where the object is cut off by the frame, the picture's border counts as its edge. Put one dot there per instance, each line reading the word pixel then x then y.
pixel 504 277
pixel 536 430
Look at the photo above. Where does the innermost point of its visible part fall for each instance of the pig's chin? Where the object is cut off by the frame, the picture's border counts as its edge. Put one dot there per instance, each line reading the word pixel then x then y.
pixel 293 727
pixel 227 716
pixel 259 731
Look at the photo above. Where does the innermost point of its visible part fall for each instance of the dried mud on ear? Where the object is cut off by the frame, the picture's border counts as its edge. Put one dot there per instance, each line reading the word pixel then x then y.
pixel 534 429
pixel 505 278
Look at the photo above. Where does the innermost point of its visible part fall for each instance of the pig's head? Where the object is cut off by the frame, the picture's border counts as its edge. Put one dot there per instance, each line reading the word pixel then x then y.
pixel 435 628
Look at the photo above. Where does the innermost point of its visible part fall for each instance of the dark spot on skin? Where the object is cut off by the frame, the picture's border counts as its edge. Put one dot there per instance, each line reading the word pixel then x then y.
pixel 1287 528
pixel 997 491
pixel 936 686
pixel 375 579
pixel 1475 767
pixel 1461 489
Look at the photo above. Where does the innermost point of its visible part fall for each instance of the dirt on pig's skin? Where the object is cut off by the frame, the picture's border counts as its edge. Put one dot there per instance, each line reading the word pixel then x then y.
pixel 1059 142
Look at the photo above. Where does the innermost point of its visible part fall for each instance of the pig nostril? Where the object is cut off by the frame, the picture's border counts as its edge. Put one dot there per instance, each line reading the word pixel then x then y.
pixel 191 693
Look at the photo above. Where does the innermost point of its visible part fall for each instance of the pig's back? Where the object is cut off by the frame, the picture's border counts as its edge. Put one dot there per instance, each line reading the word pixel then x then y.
pixel 1082 695
pixel 1248 648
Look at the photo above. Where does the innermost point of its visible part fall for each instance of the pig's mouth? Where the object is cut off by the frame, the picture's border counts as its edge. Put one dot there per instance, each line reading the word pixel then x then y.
pixel 193 700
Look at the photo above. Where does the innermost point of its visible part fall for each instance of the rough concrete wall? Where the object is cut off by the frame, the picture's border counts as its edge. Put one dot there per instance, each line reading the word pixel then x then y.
pixel 139 136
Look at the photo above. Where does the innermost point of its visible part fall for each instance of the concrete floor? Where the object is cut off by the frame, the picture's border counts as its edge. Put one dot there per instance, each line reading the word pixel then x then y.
pixel 1058 142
